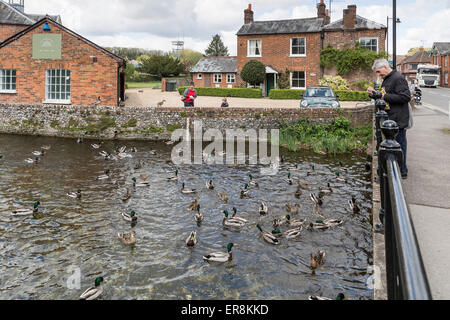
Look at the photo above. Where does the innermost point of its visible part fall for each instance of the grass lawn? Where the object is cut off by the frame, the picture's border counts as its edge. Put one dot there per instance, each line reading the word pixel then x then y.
pixel 140 85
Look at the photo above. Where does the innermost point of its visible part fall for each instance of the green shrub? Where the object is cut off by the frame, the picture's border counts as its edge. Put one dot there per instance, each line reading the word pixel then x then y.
pixel 54 124
pixel 334 82
pixel 335 138
pixel 226 92
pixel 293 94
pixel 253 72
pixel 346 95
pixel 360 85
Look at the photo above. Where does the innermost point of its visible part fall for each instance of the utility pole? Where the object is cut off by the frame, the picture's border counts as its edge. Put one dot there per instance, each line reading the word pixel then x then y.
pixel 394 32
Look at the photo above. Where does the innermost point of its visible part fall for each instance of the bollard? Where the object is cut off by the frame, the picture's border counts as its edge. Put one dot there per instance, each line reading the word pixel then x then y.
pixel 388 148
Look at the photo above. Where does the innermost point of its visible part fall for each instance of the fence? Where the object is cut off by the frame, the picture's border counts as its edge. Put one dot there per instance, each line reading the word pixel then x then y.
pixel 405 273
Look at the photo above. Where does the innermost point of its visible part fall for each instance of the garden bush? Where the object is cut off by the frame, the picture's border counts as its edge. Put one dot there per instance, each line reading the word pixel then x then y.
pixel 334 82
pixel 293 94
pixel 226 92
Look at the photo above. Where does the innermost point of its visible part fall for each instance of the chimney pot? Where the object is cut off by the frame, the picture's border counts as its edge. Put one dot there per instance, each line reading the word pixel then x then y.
pixel 248 14
pixel 321 10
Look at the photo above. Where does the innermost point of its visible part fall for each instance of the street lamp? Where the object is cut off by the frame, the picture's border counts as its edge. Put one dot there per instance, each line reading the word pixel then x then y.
pixel 387 33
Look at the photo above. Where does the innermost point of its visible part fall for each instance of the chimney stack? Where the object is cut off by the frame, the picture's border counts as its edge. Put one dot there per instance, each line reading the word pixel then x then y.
pixel 248 14
pixel 321 9
pixel 350 17
pixel 327 18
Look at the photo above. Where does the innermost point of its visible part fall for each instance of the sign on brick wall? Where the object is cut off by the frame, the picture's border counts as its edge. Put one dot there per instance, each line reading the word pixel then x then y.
pixel 47 46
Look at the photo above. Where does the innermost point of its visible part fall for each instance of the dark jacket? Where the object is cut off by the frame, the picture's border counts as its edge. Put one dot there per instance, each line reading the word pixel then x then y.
pixel 397 97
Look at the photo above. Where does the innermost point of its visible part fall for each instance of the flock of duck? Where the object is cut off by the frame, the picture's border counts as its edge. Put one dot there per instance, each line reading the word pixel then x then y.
pixel 286 227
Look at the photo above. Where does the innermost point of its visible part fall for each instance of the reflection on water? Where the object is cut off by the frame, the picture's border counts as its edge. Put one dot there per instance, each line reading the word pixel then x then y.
pixel 39 253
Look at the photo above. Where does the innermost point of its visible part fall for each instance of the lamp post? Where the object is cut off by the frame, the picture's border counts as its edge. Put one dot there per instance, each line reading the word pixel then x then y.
pixel 387 33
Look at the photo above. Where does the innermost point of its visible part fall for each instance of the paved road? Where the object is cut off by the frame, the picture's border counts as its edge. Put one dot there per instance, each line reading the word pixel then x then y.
pixel 438 98
pixel 427 191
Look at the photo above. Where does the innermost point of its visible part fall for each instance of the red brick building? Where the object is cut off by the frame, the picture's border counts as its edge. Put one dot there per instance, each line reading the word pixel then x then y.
pixel 441 57
pixel 295 44
pixel 47 63
pixel 408 66
pixel 219 72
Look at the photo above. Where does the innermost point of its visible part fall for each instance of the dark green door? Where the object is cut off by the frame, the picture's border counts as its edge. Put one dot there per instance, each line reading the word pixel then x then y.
pixel 270 82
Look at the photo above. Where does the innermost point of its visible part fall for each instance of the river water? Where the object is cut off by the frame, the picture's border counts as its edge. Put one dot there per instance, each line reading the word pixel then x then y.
pixel 59 252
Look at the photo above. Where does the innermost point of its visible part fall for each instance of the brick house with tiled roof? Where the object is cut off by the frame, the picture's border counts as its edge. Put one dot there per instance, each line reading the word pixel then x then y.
pixel 295 44
pixel 441 56
pixel 408 66
pixel 46 63
pixel 215 72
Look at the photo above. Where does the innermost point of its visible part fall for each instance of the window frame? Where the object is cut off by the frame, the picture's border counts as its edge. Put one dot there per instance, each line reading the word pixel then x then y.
pixel 248 48
pixel 291 80
pixel 199 76
pixel 57 82
pixel 297 54
pixel 446 77
pixel 369 38
pixel 12 75
pixel 234 77
pixel 218 75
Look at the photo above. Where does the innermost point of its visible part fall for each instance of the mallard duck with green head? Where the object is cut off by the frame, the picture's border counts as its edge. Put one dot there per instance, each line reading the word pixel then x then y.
pixel 339 178
pixel 39 153
pixel 152 152
pixel 245 191
pixel 76 195
pixel 230 222
pixel 24 212
pixel 289 180
pixel 187 190
pixel 268 237
pixel 326 190
pixel 130 217
pixel 174 177
pixel 140 184
pixel 96 146
pixel 294 222
pixel 104 176
pixel 312 171
pixel 93 292
pixel 316 200
pixel 192 240
pixel 324 224
pixel 127 238
pixel 251 182
pixel 294 168
pixel 235 217
pixel 340 296
pixel 29 160
pixel 220 256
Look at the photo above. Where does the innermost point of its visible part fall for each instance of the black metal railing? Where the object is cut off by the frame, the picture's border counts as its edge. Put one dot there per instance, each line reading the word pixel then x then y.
pixel 405 273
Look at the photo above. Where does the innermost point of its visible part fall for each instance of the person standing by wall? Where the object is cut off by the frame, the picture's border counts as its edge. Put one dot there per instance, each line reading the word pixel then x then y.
pixel 190 94
pixel 396 93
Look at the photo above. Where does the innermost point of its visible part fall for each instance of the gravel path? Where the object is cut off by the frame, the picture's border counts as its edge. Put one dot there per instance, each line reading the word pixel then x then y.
pixel 150 97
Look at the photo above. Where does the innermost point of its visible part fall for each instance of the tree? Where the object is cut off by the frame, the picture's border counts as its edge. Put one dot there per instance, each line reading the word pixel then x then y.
pixel 254 72
pixel 216 48
pixel 161 66
pixel 284 80
pixel 190 59
pixel 129 71
pixel 413 51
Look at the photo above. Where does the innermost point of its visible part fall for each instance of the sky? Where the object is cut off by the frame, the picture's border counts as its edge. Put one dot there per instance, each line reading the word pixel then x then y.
pixel 152 24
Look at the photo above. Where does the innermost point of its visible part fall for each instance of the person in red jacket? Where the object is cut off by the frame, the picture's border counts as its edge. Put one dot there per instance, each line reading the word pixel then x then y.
pixel 189 96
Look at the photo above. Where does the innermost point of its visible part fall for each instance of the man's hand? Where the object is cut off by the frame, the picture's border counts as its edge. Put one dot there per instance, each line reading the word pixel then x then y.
pixel 370 91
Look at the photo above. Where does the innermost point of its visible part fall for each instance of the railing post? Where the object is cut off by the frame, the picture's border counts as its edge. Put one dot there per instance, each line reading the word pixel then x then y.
pixel 389 148
pixel 380 117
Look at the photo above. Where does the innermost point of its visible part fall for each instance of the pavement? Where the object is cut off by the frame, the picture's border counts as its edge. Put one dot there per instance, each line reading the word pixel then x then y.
pixel 150 97
pixel 427 192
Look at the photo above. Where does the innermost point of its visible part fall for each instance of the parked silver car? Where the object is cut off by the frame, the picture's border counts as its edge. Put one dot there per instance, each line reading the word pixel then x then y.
pixel 322 96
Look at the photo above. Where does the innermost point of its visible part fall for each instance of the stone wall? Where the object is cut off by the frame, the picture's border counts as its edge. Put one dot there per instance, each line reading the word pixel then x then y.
pixel 151 123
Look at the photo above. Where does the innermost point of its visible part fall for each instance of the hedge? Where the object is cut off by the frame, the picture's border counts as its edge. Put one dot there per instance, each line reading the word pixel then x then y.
pixel 226 92
pixel 294 94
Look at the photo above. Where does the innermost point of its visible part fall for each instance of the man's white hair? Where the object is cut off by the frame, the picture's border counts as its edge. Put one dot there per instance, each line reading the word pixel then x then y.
pixel 380 63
